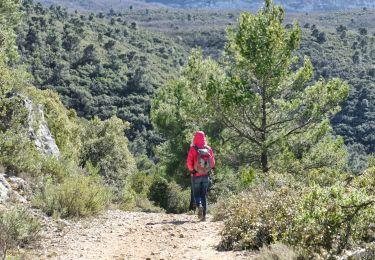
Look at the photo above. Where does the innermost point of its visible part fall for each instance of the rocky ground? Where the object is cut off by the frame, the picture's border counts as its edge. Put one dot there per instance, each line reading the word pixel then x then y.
pixel 134 235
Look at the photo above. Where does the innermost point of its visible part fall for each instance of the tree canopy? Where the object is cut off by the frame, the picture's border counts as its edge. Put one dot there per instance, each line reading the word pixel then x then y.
pixel 255 93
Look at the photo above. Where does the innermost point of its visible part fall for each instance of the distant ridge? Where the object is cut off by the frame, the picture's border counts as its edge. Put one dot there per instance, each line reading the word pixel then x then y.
pixel 289 5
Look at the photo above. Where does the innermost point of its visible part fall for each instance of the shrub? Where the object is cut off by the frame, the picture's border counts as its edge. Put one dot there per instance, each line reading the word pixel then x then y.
pixel 276 251
pixel 142 203
pixel 178 199
pixel 76 196
pixel 159 192
pixel 222 209
pixel 127 198
pixel 331 219
pixel 105 146
pixel 225 184
pixel 258 217
pixel 169 196
pixel 133 201
pixel 318 216
pixel 141 182
pixel 17 228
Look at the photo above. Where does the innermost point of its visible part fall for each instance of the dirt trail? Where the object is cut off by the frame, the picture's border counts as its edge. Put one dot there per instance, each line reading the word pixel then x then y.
pixel 134 235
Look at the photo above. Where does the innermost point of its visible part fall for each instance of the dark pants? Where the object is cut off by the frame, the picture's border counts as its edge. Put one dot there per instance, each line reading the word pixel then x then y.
pixel 199 185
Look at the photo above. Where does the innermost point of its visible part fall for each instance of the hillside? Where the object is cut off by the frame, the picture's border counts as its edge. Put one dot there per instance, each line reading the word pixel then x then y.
pixel 340 44
pixel 344 38
pixel 283 184
pixel 289 5
pixel 101 66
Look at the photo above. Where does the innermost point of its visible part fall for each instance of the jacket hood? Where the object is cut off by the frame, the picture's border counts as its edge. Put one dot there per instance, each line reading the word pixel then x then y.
pixel 199 139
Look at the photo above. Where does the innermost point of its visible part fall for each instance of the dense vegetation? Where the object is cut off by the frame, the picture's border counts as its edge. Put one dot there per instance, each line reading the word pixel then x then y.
pixel 290 5
pixel 271 113
pixel 339 45
pixel 100 66
pixel 284 177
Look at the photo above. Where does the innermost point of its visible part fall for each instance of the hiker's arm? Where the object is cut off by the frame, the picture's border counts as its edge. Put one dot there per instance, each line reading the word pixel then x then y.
pixel 190 160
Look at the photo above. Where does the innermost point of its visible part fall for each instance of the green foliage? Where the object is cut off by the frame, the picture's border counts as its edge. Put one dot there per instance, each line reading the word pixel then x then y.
pixel 322 213
pixel 159 192
pixel 9 18
pixel 258 218
pixel 255 93
pixel 178 199
pixel 105 147
pixel 99 68
pixel 75 196
pixel 308 152
pixel 225 183
pixel 330 219
pixel 141 182
pixel 134 195
pixel 247 176
pixel 169 195
pixel 276 251
pixel 127 198
pixel 18 227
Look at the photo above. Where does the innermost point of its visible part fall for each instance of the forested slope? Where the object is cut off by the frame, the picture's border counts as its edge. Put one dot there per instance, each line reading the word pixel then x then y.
pixel 100 66
pixel 340 44
pixel 104 64
pixel 289 5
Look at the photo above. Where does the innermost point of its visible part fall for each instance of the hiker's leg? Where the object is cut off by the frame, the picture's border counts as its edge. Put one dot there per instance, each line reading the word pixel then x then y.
pixel 204 188
pixel 196 190
pixel 192 199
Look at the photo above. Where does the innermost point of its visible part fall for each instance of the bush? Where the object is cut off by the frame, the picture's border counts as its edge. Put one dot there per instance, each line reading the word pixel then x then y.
pixel 258 217
pixel 223 208
pixel 317 216
pixel 17 228
pixel 178 199
pixel 159 192
pixel 169 196
pixel 76 196
pixel 141 182
pixel 276 252
pixel 225 184
pixel 331 219
pixel 127 198
pixel 105 146
pixel 133 201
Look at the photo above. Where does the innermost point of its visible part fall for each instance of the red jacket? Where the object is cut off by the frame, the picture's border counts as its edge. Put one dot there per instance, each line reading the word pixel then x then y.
pixel 200 142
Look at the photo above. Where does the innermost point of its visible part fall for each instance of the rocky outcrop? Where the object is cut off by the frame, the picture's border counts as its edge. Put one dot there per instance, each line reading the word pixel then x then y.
pixel 364 253
pixel 12 189
pixel 39 131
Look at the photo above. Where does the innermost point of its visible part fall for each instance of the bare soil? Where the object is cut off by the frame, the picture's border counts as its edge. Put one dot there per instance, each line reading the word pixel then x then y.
pixel 134 235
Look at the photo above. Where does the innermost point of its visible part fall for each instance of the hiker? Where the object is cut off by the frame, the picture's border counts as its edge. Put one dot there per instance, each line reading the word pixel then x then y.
pixel 200 162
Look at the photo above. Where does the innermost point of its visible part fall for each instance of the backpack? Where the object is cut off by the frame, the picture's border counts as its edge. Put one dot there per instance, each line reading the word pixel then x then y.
pixel 204 160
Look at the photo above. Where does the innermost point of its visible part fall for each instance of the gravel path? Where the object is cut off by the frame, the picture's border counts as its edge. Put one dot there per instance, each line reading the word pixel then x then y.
pixel 135 235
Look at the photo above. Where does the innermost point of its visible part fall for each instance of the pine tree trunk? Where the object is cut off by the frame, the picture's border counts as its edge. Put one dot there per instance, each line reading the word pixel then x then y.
pixel 264 154
pixel 264 161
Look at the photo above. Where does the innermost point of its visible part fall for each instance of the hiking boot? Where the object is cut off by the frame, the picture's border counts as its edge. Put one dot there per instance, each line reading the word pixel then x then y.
pixel 203 219
pixel 200 211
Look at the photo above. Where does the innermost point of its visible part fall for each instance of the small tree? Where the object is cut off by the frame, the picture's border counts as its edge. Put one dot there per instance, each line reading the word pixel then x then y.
pixel 17 227
pixel 105 147
pixel 260 97
pixel 256 93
